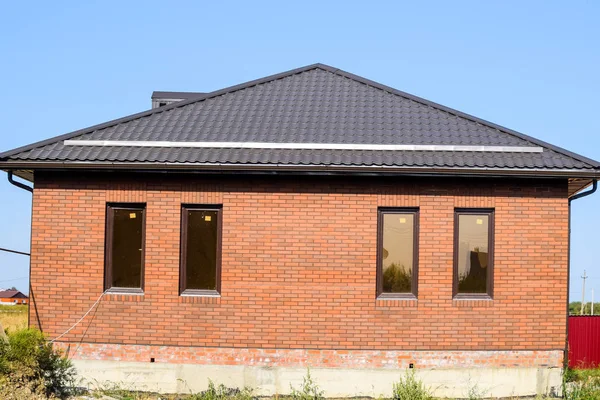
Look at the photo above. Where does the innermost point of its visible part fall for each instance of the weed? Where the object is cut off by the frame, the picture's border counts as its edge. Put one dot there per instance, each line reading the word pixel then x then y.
pixel 411 388
pixel 222 392
pixel 574 375
pixel 111 389
pixel 475 392
pixel 28 363
pixel 581 384
pixel 309 389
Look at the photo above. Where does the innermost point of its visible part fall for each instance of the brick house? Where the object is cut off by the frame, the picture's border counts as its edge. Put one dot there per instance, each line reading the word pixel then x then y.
pixel 13 297
pixel 314 219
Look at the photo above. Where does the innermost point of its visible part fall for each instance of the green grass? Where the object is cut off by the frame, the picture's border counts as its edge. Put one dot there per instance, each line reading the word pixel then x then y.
pixel 21 308
pixel 13 318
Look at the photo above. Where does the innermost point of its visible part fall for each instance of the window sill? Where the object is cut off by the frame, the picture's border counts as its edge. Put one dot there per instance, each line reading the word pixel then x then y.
pixel 200 293
pixel 473 296
pixel 396 300
pixel 127 295
pixel 396 296
pixel 127 291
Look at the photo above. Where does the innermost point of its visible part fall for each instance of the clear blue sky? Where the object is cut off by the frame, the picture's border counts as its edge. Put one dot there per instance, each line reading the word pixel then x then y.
pixel 531 66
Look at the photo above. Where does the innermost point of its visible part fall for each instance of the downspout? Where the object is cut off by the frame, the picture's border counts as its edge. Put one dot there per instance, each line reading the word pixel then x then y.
pixel 583 194
pixel 577 196
pixel 18 184
pixel 31 296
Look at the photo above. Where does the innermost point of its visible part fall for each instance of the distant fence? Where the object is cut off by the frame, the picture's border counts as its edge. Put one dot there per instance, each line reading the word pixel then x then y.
pixel 584 341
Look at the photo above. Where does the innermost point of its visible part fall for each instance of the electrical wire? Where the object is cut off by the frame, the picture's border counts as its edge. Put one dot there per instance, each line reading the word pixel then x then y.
pixel 14 251
pixel 14 279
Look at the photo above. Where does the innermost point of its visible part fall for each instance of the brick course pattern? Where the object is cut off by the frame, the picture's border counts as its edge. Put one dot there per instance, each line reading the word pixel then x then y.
pixel 298 264
pixel 355 359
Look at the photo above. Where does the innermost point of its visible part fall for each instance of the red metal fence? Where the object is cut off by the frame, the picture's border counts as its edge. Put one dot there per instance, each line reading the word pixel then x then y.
pixel 584 341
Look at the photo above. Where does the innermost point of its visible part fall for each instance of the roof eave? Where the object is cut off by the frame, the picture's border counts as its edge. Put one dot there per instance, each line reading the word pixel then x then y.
pixel 303 169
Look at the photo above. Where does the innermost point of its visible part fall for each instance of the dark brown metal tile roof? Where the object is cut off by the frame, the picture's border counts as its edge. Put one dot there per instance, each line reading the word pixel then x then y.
pixel 314 104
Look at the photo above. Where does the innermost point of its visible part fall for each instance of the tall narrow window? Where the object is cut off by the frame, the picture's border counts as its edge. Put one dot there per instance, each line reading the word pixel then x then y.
pixel 397 256
pixel 473 252
pixel 200 250
pixel 125 238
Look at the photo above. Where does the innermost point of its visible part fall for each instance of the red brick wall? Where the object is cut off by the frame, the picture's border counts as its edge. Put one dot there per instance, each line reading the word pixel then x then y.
pixel 355 359
pixel 298 264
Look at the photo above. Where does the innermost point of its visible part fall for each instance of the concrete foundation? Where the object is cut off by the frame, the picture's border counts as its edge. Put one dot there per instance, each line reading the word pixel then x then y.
pixel 336 382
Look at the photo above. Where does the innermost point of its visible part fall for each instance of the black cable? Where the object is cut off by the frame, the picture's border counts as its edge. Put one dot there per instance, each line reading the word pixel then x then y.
pixel 15 251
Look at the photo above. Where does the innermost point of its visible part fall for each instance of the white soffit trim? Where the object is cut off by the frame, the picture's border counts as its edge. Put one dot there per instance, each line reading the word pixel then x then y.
pixel 305 146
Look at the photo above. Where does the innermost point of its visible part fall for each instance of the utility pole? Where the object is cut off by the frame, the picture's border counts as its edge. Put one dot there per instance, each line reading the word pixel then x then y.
pixel 584 277
pixel 592 301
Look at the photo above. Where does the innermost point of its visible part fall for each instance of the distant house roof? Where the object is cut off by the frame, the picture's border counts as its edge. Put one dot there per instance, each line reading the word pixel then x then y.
pixel 315 118
pixel 9 294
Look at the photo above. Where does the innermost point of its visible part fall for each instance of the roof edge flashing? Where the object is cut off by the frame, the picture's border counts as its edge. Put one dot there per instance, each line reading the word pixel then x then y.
pixel 306 168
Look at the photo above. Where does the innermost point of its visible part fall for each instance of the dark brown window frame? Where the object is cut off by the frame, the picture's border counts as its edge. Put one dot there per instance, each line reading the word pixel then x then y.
pixel 183 291
pixel 381 211
pixel 108 247
pixel 490 212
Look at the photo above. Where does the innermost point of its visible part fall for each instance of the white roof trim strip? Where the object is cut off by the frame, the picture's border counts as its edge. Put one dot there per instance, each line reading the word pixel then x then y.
pixel 305 146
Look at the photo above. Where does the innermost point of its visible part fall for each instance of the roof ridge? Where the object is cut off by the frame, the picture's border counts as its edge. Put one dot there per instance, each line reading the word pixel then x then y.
pixel 152 111
pixel 461 114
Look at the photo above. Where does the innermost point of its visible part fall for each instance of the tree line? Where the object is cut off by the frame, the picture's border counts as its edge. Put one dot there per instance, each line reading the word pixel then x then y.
pixel 575 308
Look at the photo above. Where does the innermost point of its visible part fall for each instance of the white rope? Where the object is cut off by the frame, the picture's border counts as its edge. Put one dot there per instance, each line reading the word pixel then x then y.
pixel 80 319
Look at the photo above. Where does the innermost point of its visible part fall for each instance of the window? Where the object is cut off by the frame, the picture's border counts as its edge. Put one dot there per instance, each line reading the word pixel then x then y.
pixel 125 239
pixel 200 250
pixel 397 255
pixel 473 252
